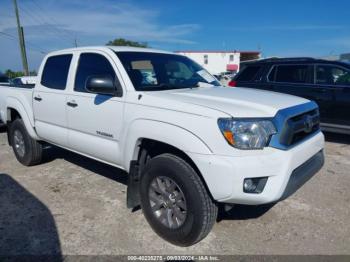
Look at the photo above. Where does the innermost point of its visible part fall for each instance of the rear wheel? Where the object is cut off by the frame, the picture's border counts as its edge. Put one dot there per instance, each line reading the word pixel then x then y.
pixel 175 202
pixel 27 150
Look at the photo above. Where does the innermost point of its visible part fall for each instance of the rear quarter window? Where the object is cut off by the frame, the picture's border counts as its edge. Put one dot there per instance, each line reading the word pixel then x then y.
pixel 248 73
pixel 55 72
pixel 292 74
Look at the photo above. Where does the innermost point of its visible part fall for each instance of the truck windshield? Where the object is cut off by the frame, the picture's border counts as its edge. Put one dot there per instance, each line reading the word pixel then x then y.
pixel 158 71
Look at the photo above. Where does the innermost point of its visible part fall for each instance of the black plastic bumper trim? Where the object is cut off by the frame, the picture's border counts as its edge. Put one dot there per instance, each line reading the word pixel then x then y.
pixel 303 173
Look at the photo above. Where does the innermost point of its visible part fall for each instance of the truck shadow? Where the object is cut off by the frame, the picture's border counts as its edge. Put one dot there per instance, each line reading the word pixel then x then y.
pixel 337 138
pixel 27 226
pixel 243 212
pixel 3 128
pixel 52 152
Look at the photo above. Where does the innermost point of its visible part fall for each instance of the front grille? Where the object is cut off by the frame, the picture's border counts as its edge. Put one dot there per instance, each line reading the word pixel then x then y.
pixel 300 127
pixel 295 124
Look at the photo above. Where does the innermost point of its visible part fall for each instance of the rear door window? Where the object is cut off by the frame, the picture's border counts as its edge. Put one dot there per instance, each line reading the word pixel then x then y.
pixel 332 75
pixel 292 74
pixel 55 72
pixel 248 73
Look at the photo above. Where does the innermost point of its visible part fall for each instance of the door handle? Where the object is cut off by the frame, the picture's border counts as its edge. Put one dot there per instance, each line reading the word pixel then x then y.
pixel 72 104
pixel 321 90
pixel 339 89
pixel 38 98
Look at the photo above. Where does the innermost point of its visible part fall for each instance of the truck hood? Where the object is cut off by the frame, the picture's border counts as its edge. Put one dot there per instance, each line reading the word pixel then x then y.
pixel 236 102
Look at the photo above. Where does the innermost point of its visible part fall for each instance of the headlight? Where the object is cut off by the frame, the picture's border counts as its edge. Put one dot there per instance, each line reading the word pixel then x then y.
pixel 247 133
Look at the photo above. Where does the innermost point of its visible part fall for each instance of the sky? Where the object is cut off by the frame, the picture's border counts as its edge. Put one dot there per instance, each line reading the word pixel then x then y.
pixel 275 27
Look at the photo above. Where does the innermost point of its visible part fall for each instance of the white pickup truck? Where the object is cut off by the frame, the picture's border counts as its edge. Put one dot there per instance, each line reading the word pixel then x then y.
pixel 187 143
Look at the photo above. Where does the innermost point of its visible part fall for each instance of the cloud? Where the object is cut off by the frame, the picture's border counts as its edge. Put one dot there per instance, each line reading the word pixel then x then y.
pixel 289 28
pixel 340 42
pixel 95 21
pixel 50 25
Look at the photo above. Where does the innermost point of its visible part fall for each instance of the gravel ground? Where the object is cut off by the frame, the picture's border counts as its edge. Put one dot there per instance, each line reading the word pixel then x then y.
pixel 72 205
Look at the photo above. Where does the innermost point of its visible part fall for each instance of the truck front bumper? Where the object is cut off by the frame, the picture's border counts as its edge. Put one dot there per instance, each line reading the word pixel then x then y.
pixel 303 173
pixel 287 170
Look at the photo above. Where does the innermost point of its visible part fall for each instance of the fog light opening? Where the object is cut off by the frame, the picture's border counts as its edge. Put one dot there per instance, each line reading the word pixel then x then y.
pixel 254 185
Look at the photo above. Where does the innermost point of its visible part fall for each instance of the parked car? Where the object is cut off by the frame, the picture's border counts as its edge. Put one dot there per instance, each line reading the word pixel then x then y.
pixel 226 77
pixel 325 82
pixel 229 74
pixel 4 80
pixel 24 80
pixel 186 148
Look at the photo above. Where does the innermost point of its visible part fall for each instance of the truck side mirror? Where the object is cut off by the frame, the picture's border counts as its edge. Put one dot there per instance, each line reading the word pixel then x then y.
pixel 103 85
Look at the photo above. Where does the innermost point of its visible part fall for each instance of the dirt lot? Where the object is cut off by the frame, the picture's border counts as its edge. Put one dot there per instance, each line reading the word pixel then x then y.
pixel 74 205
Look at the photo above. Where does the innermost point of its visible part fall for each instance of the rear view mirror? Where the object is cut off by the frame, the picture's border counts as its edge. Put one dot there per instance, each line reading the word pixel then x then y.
pixel 103 85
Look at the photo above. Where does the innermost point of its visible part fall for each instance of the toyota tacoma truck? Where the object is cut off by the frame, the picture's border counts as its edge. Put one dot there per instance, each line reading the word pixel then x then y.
pixel 187 143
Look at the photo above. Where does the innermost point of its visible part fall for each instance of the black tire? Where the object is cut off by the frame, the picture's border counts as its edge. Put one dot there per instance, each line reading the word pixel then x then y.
pixel 201 211
pixel 32 149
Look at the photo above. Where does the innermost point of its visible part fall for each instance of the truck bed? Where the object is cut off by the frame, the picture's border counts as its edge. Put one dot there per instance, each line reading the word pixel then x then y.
pixel 21 94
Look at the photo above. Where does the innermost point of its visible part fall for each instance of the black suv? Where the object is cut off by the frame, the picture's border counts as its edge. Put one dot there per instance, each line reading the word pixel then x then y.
pixel 325 82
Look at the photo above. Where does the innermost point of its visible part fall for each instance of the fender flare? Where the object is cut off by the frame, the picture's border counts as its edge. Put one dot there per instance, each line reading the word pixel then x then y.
pixel 165 132
pixel 13 103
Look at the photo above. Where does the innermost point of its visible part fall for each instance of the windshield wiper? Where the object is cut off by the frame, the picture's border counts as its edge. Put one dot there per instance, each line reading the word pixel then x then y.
pixel 164 86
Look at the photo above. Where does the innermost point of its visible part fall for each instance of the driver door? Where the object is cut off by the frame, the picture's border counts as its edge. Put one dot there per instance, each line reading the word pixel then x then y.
pixel 95 120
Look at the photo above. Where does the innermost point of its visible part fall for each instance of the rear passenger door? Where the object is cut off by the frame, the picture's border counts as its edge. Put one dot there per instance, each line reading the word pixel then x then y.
pixel 49 100
pixel 298 80
pixel 337 80
pixel 95 120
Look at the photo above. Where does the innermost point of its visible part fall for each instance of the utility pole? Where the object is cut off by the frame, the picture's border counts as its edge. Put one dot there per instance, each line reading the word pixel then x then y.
pixel 21 41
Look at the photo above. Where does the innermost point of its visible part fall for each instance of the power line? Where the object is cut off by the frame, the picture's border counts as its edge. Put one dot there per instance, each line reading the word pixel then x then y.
pixel 53 19
pixel 29 48
pixel 49 22
pixel 7 15
pixel 36 19
pixel 34 46
pixel 5 34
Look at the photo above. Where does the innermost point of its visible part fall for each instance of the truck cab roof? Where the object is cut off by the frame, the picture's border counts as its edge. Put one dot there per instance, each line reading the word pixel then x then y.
pixel 108 48
pixel 293 60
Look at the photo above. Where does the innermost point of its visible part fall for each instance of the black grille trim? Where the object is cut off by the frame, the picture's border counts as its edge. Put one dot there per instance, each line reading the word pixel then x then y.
pixel 295 124
pixel 300 127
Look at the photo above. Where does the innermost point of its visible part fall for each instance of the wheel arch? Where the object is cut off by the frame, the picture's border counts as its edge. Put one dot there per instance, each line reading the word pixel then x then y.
pixel 159 137
pixel 144 131
pixel 156 148
pixel 15 109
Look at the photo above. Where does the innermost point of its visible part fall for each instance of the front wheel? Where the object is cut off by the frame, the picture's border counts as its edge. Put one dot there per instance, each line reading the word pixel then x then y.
pixel 175 202
pixel 27 150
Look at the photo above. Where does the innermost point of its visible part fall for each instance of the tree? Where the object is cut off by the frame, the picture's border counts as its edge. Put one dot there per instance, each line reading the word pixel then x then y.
pixel 12 74
pixel 124 42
